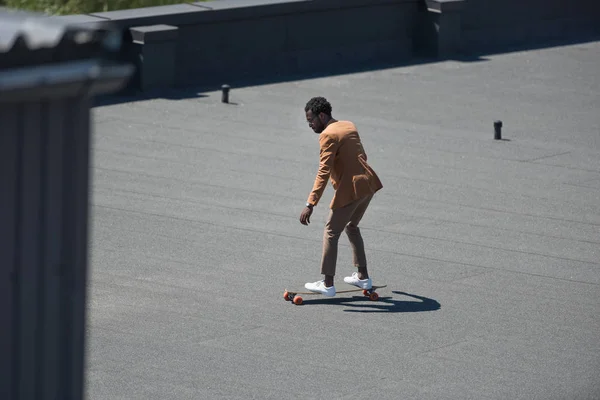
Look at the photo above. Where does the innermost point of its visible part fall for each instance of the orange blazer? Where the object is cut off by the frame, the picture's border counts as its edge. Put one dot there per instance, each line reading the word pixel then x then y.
pixel 343 161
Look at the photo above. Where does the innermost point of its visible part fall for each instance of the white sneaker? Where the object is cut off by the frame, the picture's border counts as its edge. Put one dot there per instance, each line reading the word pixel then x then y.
pixel 360 283
pixel 319 287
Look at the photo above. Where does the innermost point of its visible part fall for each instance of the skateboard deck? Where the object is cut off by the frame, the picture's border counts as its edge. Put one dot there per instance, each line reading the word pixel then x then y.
pixel 295 296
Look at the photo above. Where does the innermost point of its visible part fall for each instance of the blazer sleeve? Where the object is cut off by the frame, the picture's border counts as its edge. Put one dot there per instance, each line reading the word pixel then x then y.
pixel 327 157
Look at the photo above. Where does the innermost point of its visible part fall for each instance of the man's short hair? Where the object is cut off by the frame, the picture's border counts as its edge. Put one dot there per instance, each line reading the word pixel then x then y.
pixel 318 105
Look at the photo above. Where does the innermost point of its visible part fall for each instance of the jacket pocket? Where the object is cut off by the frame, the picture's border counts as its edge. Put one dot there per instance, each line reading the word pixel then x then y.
pixel 374 182
pixel 362 185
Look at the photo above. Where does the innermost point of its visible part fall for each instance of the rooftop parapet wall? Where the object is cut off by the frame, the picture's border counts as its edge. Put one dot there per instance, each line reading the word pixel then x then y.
pixel 233 39
pixel 492 24
pixel 224 40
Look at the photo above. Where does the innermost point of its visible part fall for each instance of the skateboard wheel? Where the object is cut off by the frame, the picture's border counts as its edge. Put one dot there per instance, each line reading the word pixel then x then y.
pixel 297 300
pixel 373 296
pixel 286 296
pixel 365 292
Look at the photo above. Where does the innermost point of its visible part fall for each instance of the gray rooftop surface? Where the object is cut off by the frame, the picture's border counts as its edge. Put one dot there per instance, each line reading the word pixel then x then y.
pixel 490 249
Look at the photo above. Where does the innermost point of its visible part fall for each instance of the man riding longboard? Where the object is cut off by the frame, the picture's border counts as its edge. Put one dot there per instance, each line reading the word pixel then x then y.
pixel 343 161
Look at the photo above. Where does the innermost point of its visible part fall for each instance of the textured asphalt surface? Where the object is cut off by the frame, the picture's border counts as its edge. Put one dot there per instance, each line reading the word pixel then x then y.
pixel 490 249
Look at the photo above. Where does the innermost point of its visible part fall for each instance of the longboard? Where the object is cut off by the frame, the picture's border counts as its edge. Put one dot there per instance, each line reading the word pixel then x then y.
pixel 295 296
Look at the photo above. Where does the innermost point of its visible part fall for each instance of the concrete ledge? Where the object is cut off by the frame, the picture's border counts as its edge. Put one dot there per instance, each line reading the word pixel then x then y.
pixel 239 37
pixel 267 43
pixel 154 33
pixel 231 10
pixel 492 39
pixel 178 14
pixel 445 6
pixel 251 9
pixel 241 4
pixel 444 27
pixel 329 4
pixel 310 4
pixel 221 10
pixel 157 55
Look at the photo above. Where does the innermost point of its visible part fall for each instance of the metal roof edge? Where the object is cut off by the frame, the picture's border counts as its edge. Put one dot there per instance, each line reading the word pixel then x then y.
pixel 29 32
pixel 77 78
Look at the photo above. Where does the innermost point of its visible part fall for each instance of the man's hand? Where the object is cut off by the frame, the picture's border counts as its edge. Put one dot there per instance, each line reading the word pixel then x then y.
pixel 305 216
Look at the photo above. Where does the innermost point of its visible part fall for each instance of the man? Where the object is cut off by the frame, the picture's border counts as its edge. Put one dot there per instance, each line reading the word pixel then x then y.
pixel 344 162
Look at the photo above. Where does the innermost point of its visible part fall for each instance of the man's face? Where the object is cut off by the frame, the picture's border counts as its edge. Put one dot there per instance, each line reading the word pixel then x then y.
pixel 314 121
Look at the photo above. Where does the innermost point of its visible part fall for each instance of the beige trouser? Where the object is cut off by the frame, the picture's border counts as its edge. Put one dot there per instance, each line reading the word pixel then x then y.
pixel 340 219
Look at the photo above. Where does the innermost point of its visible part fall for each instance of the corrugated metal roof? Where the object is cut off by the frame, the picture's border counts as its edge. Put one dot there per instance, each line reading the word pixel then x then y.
pixel 25 32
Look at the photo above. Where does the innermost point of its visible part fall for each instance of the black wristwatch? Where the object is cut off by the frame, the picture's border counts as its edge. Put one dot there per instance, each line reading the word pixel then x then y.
pixel 309 205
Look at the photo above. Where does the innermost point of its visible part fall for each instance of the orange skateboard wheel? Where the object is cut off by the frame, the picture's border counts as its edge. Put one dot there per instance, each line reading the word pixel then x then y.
pixel 297 300
pixel 373 296
pixel 286 296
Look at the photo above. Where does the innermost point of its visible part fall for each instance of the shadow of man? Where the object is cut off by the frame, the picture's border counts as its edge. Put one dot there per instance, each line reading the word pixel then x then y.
pixel 385 304
pixel 390 305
